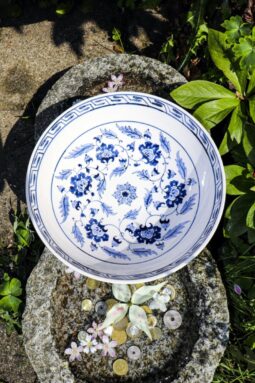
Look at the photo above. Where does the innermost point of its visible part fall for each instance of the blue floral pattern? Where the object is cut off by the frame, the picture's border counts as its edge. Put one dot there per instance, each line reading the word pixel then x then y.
pixel 106 153
pixel 80 184
pixel 148 234
pixel 127 192
pixel 96 231
pixel 175 192
pixel 150 152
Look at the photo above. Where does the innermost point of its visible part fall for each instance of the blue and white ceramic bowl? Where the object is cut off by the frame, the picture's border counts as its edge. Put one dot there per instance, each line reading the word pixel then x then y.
pixel 125 187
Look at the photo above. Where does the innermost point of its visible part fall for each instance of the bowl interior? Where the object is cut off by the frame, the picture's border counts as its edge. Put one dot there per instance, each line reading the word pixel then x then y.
pixel 125 187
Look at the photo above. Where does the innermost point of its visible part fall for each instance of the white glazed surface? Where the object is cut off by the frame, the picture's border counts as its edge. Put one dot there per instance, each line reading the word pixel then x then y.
pixel 125 187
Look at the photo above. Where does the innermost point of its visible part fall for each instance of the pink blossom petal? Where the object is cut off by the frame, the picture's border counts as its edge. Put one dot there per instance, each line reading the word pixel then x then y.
pixel 68 351
pixel 73 345
pixel 105 339
pixel 112 352
pixel 86 350
pixel 72 357
pixel 99 346
pixel 113 77
pixel 78 357
pixel 80 349
pixel 104 353
pixel 113 343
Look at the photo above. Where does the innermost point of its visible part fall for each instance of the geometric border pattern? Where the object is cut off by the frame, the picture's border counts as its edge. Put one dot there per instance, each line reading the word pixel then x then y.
pixel 119 98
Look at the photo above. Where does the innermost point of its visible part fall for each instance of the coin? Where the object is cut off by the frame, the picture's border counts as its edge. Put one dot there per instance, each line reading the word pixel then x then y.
pixel 147 309
pixel 138 285
pixel 156 333
pixel 133 331
pixel 120 367
pixel 170 290
pixel 134 353
pixel 86 305
pixel 110 303
pixel 92 284
pixel 122 324
pixel 101 308
pixel 152 321
pixel 172 319
pixel 119 336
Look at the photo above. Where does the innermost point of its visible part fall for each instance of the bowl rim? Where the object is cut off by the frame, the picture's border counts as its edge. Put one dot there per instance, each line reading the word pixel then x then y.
pixel 74 264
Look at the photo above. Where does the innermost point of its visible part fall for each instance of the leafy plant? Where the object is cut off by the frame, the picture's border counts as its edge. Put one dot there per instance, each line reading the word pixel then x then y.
pixel 212 103
pixel 10 290
pixel 137 315
pixel 116 36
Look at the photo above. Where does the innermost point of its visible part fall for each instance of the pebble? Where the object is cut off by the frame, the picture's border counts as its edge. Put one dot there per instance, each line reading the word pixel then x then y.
pixel 134 353
pixel 120 367
pixel 86 305
pixel 101 308
pixel 172 319
pixel 119 336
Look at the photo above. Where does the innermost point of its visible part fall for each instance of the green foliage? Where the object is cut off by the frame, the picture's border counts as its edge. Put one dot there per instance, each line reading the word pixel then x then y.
pixel 116 36
pixel 167 51
pixel 10 290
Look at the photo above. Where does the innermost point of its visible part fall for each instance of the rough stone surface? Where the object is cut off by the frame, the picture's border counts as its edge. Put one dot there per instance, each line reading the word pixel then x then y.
pixel 14 364
pixel 87 79
pixel 207 303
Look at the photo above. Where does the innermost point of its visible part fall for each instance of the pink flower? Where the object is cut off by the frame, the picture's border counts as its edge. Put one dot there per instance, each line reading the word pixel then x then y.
pixel 89 344
pixel 237 289
pixel 115 83
pixel 111 88
pixel 94 331
pixel 76 274
pixel 107 346
pixel 74 352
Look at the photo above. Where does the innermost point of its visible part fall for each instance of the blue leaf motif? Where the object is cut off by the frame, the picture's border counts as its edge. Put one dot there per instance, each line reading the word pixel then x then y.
pixel 78 151
pixel 61 188
pixel 165 143
pixel 158 204
pixel 101 187
pixel 148 198
pixel 132 214
pixel 176 230
pixel 115 254
pixel 118 171
pixel 109 134
pixel 77 234
pixel 171 174
pixel 107 209
pixel 64 207
pixel 64 174
pixel 143 252
pixel 181 166
pixel 142 174
pixel 130 132
pixel 188 205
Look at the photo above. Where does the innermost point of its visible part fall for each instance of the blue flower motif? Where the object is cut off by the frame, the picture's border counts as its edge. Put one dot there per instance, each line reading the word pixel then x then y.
pixel 150 153
pixel 80 184
pixel 125 194
pixel 105 153
pixel 148 234
pixel 175 192
pixel 95 230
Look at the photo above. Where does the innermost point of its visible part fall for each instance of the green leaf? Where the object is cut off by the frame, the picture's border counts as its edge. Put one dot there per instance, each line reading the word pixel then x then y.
pixel 219 51
pixel 235 28
pixel 251 86
pixel 245 51
pixel 11 287
pixel 238 180
pixel 213 112
pixel 121 292
pixel 145 293
pixel 10 303
pixel 196 92
pixel 248 143
pixel 252 108
pixel 138 317
pixel 236 225
pixel 115 314
pixel 250 217
pixel 226 144
pixel 236 124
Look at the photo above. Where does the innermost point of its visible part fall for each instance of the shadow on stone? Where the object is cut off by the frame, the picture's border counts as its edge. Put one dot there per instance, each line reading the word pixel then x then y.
pixel 15 154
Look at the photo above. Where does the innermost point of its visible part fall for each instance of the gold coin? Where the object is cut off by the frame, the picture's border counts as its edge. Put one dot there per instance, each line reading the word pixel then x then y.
pixel 92 284
pixel 121 325
pixel 152 321
pixel 119 336
pixel 147 309
pixel 156 333
pixel 110 303
pixel 120 367
pixel 86 305
pixel 133 331
pixel 138 285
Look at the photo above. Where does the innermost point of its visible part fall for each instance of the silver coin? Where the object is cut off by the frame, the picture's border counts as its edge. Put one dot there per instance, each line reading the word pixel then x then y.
pixel 134 353
pixel 101 308
pixel 172 319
